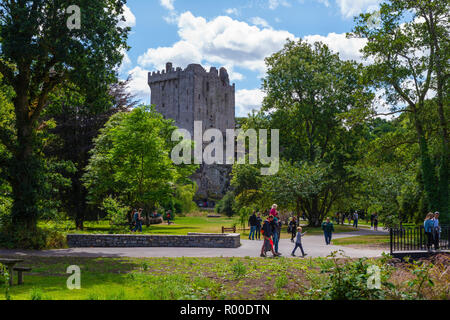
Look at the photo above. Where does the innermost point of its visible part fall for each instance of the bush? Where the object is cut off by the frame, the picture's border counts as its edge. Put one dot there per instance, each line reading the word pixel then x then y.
pixel 4 278
pixel 349 281
pixel 227 204
pixel 116 214
pixel 41 238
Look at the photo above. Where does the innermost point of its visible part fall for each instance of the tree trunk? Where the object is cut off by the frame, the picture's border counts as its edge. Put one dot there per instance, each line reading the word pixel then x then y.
pixel 427 168
pixel 24 176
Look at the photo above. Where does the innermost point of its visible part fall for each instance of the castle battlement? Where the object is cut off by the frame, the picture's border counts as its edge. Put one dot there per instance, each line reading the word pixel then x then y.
pixel 173 74
pixel 194 94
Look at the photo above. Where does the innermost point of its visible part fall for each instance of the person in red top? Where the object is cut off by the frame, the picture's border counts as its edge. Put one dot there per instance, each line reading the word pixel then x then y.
pixel 273 211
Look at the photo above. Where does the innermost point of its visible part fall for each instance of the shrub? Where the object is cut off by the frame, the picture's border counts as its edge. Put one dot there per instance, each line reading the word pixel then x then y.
pixel 116 214
pixel 349 281
pixel 227 204
pixel 4 277
pixel 41 238
pixel 239 269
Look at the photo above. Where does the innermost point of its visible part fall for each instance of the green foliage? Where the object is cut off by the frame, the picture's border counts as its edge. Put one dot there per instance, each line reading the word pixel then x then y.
pixel 244 215
pixel 116 214
pixel 227 204
pixel 239 269
pixel 4 277
pixel 349 281
pixel 37 53
pixel 406 28
pixel 421 281
pixel 310 92
pixel 131 161
pixel 183 202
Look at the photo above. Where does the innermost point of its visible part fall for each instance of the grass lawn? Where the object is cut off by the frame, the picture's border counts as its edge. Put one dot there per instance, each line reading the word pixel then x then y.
pixel 197 222
pixel 188 279
pixel 364 241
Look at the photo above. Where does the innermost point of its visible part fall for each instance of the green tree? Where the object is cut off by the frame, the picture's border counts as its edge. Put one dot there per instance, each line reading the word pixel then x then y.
pixel 409 54
pixel 310 91
pixel 38 51
pixel 78 122
pixel 131 160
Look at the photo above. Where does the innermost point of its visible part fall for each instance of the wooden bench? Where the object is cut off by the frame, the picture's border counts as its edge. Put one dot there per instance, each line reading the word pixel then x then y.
pixel 20 271
pixel 225 230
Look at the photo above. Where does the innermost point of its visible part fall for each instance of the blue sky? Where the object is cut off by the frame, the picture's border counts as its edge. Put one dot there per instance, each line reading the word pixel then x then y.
pixel 236 34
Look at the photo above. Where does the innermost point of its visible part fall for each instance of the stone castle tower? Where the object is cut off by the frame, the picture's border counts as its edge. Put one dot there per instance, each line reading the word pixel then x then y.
pixel 193 94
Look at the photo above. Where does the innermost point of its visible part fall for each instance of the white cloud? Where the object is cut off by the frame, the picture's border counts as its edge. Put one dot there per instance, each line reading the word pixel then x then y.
pixel 348 49
pixel 248 100
pixel 138 85
pixel 223 41
pixel 273 4
pixel 130 19
pixel 126 62
pixel 258 21
pixel 168 4
pixel 231 11
pixel 350 8
pixel 180 54
pixel 326 3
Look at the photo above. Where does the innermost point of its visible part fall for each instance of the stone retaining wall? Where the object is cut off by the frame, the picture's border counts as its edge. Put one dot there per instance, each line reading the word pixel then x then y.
pixel 136 241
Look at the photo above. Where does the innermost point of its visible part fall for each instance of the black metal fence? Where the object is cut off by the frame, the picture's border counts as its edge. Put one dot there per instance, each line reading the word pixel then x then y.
pixel 415 239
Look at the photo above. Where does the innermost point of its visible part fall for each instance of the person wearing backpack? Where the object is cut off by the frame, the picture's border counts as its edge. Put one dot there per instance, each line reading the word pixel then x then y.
pixel 137 220
pixel 276 227
pixel 267 233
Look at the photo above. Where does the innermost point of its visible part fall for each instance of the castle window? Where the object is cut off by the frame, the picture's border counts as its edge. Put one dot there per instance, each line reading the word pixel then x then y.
pixel 164 105
pixel 199 97
pixel 207 86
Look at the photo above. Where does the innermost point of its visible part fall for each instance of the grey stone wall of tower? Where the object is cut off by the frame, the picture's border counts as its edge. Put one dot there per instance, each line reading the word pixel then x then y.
pixel 193 94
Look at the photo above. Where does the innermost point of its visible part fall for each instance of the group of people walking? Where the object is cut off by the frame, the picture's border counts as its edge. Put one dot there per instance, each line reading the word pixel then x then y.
pixel 432 231
pixel 271 231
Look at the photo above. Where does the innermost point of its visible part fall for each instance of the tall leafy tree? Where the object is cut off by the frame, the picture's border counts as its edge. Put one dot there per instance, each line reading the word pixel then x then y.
pixel 78 122
pixel 38 51
pixel 309 92
pixel 131 161
pixel 409 55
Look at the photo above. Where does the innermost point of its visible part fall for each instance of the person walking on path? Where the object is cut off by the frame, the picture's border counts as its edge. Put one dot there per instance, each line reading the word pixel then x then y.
pixel 355 220
pixel 372 220
pixel 436 231
pixel 328 229
pixel 276 233
pixel 258 226
pixel 267 233
pixel 252 222
pixel 298 242
pixel 293 228
pixel 137 220
pixel 375 222
pixel 428 225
